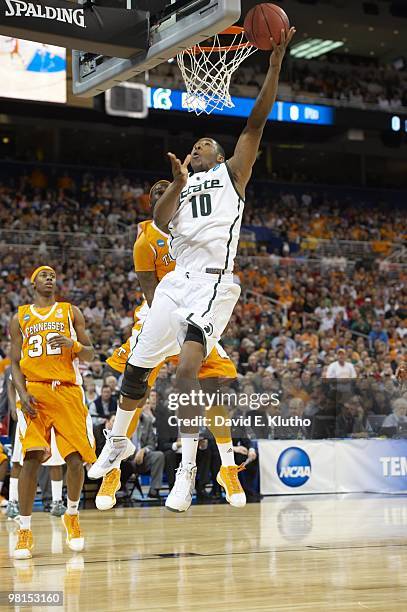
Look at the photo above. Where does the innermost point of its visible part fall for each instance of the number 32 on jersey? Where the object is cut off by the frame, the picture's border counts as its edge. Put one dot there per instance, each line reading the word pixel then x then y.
pixel 37 342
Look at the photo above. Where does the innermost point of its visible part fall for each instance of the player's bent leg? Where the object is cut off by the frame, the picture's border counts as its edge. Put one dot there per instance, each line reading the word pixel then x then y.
pixel 106 496
pixel 118 447
pixel 192 354
pixel 74 482
pixel 13 510
pixel 27 487
pixel 227 476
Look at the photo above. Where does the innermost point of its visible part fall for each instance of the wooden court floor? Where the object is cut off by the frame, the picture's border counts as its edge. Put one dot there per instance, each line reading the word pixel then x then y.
pixel 311 553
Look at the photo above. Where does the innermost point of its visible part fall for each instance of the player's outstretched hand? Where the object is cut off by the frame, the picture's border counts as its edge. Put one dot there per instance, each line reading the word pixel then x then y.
pixel 28 403
pixel 179 170
pixel 59 340
pixel 277 56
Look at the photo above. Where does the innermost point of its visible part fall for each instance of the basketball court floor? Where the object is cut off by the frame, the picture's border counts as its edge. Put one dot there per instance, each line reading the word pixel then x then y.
pixel 317 553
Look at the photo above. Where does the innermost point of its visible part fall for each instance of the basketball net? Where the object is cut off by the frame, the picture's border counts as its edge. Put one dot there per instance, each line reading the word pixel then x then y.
pixel 207 70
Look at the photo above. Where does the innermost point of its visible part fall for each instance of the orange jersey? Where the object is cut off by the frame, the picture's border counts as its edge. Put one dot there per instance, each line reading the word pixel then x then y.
pixel 150 252
pixel 3 456
pixel 39 362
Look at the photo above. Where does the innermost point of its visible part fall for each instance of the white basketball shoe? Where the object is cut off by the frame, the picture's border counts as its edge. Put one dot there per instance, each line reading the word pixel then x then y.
pixel 180 497
pixel 115 450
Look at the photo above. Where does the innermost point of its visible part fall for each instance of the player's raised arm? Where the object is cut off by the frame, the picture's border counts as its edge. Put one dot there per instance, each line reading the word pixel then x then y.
pixel 27 401
pixel 167 205
pixel 247 146
pixel 144 266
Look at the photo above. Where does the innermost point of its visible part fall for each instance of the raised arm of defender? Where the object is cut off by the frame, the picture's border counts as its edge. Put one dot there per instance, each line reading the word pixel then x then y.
pixel 167 205
pixel 247 146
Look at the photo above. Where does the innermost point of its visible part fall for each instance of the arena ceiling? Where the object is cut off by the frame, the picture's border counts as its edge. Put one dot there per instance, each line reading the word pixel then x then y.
pixel 379 36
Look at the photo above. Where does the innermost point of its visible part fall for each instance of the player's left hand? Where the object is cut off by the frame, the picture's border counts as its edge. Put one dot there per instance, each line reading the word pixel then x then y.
pixel 59 341
pixel 252 455
pixel 179 170
pixel 277 56
pixel 139 458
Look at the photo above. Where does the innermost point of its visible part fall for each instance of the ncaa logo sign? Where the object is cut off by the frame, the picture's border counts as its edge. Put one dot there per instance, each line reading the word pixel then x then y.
pixel 294 467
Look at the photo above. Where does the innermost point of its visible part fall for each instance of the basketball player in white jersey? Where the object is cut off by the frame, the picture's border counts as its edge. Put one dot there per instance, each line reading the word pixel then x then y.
pixel 193 304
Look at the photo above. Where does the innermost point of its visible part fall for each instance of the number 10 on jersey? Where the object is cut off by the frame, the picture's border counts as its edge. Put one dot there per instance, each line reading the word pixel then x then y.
pixel 201 205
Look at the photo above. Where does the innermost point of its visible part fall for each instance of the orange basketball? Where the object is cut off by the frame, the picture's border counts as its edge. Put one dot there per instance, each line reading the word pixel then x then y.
pixel 265 21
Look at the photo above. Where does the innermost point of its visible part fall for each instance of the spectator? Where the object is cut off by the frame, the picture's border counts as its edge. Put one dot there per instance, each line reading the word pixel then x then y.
pixel 112 382
pixel 397 420
pixel 103 406
pixel 341 368
pixel 376 334
pixel 90 390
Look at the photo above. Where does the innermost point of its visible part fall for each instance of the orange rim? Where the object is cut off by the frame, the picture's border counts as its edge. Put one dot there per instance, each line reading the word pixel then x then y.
pixel 231 31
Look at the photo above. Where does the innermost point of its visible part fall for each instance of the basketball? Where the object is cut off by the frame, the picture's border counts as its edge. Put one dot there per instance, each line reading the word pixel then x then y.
pixel 265 21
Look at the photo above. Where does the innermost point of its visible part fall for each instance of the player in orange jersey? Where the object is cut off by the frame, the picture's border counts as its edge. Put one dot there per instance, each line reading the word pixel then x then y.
pixel 47 340
pixel 151 263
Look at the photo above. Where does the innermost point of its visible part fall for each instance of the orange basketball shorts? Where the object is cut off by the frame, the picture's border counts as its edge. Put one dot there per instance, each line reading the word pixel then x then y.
pixel 63 408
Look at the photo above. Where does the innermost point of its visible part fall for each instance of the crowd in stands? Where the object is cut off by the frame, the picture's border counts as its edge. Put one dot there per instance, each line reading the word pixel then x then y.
pixel 336 82
pixel 314 215
pixel 289 326
pixel 107 206
pixel 354 86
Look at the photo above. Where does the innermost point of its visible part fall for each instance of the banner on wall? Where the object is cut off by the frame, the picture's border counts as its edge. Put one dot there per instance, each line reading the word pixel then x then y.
pixel 296 466
pixel 332 466
pixel 371 465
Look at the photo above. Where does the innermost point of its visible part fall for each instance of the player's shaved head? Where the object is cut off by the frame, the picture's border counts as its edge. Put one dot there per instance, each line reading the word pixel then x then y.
pixel 157 191
pixel 206 153
pixel 220 149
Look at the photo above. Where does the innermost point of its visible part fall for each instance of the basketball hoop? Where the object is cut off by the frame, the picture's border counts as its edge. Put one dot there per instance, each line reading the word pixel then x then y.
pixel 207 69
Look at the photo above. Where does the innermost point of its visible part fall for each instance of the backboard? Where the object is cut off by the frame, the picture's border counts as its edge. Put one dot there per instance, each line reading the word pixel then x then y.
pixel 180 25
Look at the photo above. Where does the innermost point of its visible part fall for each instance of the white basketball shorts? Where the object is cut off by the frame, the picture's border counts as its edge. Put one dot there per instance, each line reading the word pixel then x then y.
pixel 201 299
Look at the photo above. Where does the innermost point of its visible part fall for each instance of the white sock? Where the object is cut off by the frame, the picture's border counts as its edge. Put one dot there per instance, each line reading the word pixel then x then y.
pixel 226 453
pixel 56 487
pixel 122 421
pixel 72 506
pixel 25 522
pixel 189 447
pixel 13 492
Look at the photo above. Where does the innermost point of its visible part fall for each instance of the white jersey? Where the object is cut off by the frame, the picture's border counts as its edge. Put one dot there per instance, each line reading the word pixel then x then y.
pixel 204 232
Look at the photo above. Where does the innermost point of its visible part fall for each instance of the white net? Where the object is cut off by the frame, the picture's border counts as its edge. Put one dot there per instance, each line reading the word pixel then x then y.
pixel 207 71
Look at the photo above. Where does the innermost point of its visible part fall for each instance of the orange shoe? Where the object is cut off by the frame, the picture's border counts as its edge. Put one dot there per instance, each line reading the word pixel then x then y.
pixel 74 537
pixel 3 502
pixel 25 544
pixel 228 479
pixel 106 497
